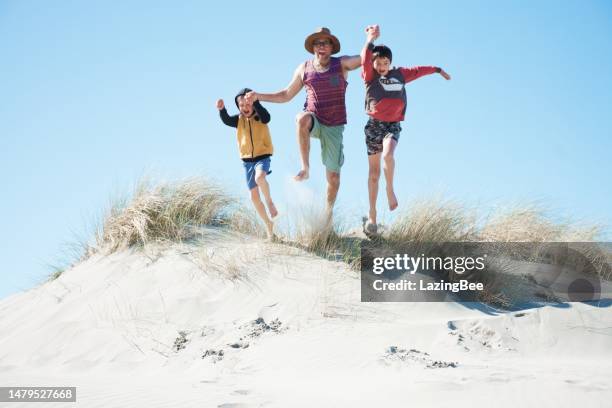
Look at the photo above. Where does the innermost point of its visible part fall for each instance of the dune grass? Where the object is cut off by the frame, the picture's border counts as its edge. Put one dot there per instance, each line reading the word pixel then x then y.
pixel 433 221
pixel 176 211
pixel 530 224
pixel 172 211
pixel 438 220
pixel 310 229
pixel 516 233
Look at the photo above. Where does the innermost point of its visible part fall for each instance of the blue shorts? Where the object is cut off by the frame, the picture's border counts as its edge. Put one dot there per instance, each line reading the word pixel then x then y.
pixel 251 167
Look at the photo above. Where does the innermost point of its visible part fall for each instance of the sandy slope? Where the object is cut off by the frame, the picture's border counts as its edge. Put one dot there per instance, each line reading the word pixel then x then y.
pixel 268 325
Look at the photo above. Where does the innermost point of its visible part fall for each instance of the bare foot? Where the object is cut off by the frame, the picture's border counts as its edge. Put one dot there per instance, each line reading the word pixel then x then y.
pixel 371 217
pixel 270 232
pixel 302 175
pixel 272 209
pixel 369 227
pixel 392 200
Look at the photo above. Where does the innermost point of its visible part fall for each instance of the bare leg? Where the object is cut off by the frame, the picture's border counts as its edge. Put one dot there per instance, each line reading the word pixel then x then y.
pixel 389 168
pixel 262 183
pixel 333 185
pixel 373 177
pixel 303 124
pixel 261 210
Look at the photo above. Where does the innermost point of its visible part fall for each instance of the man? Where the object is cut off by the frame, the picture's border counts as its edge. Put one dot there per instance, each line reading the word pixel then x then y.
pixel 324 114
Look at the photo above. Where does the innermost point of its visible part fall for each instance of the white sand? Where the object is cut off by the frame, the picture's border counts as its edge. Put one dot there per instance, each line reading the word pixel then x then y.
pixel 108 327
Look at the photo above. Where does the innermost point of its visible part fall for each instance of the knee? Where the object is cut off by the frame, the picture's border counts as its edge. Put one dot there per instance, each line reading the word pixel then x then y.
pixel 303 120
pixel 387 157
pixel 334 180
pixel 260 178
pixel 374 174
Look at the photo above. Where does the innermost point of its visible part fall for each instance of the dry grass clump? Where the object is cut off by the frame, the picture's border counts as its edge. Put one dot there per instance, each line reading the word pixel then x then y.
pixel 435 227
pixel 328 242
pixel 311 230
pixel 170 211
pixel 318 236
pixel 429 222
pixel 243 220
pixel 440 221
pixel 531 225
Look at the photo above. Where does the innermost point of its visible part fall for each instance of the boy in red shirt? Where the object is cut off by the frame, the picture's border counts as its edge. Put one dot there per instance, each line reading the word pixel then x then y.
pixel 386 106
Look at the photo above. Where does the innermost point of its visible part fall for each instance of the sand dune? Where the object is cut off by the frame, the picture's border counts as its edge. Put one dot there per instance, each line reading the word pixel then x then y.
pixel 231 321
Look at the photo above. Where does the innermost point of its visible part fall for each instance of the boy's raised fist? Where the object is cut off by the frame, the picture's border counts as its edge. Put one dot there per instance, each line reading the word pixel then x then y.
pixel 220 104
pixel 373 32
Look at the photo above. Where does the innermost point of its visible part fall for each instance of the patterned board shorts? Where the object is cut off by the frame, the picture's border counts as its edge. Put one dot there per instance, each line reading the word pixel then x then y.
pixel 376 131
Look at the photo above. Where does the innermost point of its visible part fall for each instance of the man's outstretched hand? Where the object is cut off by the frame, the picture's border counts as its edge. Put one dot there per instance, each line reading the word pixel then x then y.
pixel 220 104
pixel 372 32
pixel 444 74
pixel 251 97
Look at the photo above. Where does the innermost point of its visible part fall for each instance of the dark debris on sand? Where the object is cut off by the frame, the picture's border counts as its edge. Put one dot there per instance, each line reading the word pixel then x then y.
pixel 180 342
pixel 395 353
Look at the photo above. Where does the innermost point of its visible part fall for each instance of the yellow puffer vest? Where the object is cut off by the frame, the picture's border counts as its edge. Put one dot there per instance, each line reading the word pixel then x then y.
pixel 253 138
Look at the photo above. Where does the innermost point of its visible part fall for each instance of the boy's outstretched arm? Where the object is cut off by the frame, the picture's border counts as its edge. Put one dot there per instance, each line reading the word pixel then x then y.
pixel 225 117
pixel 410 74
pixel 262 112
pixel 367 70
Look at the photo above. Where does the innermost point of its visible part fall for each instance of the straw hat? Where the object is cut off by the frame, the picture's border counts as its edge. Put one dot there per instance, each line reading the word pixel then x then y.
pixel 319 33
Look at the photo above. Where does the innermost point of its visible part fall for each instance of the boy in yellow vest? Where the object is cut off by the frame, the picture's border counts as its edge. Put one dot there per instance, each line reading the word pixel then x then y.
pixel 255 147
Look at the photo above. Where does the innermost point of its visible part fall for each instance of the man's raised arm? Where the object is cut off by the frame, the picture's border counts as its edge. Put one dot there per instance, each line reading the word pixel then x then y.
pixel 351 62
pixel 283 96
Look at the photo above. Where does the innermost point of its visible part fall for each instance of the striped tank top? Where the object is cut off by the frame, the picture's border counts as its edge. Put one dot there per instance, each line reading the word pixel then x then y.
pixel 325 93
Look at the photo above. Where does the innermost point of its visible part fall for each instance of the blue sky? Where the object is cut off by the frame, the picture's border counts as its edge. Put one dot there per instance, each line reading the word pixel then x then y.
pixel 97 93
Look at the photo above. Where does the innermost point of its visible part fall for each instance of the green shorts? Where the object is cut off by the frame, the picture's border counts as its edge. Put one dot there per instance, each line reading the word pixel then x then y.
pixel 332 155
